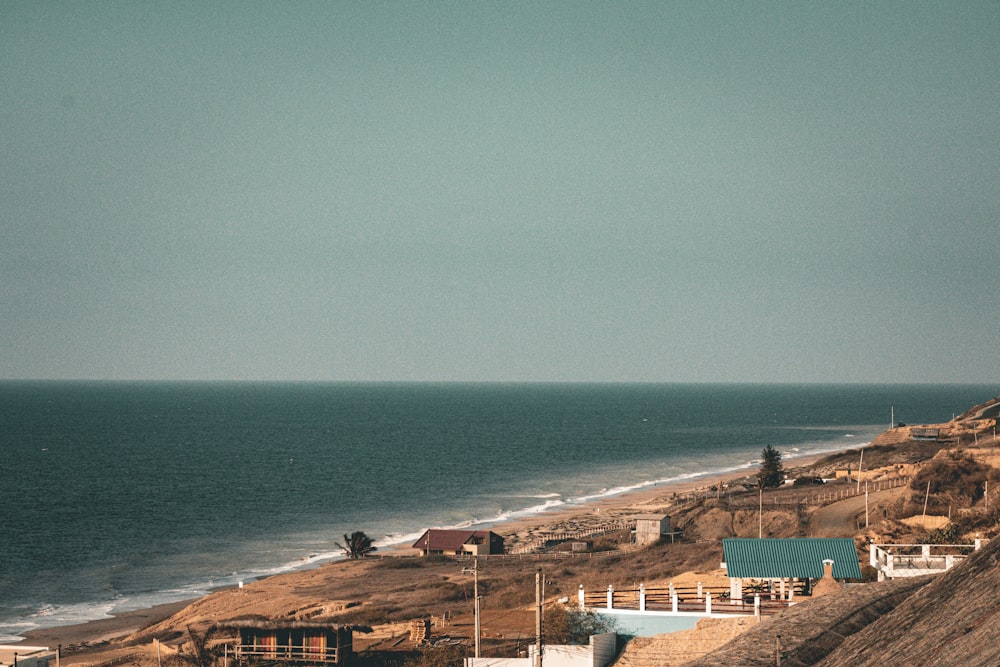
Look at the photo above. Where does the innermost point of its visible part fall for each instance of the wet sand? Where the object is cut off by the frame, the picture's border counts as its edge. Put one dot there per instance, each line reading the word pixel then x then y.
pixel 101 630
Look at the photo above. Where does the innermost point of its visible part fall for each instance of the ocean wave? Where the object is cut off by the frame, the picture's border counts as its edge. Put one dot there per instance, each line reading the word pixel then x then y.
pixel 46 615
pixel 13 632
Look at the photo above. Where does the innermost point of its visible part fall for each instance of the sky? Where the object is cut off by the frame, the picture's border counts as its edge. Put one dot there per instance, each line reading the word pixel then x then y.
pixel 500 191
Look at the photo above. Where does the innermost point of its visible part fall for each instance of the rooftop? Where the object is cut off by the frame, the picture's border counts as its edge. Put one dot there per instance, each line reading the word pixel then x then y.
pixel 800 557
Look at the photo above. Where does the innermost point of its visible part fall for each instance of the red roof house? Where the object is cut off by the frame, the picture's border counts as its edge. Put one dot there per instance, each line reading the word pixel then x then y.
pixel 458 542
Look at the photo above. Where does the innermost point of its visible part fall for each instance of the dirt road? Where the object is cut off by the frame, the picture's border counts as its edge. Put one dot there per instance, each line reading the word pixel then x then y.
pixel 845 517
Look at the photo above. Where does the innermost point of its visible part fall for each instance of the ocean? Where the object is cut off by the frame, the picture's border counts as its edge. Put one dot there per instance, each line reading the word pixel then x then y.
pixel 119 496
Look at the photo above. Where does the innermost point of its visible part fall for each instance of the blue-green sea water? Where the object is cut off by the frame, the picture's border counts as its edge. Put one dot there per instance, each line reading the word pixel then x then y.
pixel 117 496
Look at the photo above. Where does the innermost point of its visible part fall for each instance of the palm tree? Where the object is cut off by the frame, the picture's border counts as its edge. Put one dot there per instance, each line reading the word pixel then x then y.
pixel 356 545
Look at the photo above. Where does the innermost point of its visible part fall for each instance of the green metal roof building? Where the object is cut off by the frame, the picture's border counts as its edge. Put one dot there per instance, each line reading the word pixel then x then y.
pixel 798 557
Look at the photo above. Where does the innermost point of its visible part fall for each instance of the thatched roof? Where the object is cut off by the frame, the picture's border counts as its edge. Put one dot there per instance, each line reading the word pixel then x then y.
pixel 948 619
pixel 811 630
pixel 278 624
pixel 954 620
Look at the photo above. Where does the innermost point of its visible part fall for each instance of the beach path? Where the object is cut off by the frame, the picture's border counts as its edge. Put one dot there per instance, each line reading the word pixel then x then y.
pixel 844 517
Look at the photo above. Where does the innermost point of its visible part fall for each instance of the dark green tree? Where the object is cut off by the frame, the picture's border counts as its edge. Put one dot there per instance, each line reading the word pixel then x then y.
pixel 771 473
pixel 356 545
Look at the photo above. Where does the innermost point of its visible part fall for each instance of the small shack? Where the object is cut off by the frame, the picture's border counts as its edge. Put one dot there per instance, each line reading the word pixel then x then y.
pixel 650 528
pixel 785 560
pixel 293 642
pixel 459 542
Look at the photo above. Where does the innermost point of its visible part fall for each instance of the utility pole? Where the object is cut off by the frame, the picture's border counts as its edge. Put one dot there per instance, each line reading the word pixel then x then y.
pixel 866 503
pixel 538 618
pixel 927 494
pixel 861 463
pixel 760 511
pixel 475 593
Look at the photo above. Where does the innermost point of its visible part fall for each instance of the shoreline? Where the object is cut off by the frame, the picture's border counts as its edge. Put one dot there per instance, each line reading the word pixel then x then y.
pixel 101 630
pixel 643 499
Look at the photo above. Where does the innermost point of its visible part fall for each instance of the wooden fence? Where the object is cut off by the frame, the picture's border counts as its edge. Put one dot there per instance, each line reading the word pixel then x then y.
pixel 820 497
pixel 543 539
pixel 686 599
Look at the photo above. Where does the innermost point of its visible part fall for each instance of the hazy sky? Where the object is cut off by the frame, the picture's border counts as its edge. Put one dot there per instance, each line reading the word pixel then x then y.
pixel 565 191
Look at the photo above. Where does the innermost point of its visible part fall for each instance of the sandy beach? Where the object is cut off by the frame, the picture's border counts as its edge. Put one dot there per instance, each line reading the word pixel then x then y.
pixel 102 630
pixel 573 517
pixel 645 500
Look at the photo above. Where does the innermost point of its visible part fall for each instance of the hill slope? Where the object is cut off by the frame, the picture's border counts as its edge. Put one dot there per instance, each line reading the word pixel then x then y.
pixel 954 620
pixel 951 619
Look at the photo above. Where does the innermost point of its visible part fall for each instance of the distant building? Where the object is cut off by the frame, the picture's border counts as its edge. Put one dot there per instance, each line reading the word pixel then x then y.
pixel 650 528
pixel 459 542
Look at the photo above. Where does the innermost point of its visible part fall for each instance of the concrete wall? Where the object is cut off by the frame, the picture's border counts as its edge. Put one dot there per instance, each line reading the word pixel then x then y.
pixel 564 656
pixel 599 653
pixel 27 656
pixel 605 647
pixel 498 662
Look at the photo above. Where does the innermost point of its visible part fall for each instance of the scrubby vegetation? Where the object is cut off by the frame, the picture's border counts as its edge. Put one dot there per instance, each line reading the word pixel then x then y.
pixel 567 626
pixel 955 480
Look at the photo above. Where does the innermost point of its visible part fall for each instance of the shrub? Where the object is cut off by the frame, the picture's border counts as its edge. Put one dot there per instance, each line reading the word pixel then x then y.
pixel 944 535
pixel 567 626
pixel 439 656
pixel 408 563
pixel 958 477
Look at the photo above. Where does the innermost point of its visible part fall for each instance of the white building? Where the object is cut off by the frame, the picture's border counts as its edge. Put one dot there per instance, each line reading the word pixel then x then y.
pixel 26 656
pixel 599 653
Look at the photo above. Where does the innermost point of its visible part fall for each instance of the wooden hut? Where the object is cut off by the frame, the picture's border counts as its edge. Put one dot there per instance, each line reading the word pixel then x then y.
pixel 292 642
pixel 650 528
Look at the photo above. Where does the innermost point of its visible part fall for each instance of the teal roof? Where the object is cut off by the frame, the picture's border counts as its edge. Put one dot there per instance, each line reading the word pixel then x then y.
pixel 801 557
